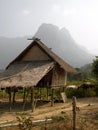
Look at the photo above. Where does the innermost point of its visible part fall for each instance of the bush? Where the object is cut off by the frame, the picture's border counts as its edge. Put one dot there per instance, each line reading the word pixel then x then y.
pixel 60 117
pixel 90 92
pixel 75 92
pixel 96 90
pixel 25 123
pixel 80 93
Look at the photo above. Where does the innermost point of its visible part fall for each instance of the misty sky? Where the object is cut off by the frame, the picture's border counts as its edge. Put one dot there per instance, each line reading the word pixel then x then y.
pixel 23 17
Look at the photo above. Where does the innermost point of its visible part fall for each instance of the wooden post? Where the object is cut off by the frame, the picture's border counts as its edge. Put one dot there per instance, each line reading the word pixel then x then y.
pixel 59 94
pixel 74 112
pixel 10 96
pixel 24 94
pixel 65 78
pixel 33 104
pixel 52 98
pixel 24 98
pixel 14 98
pixel 40 93
pixel 63 89
pixel 47 92
pixel 31 95
pixel 14 93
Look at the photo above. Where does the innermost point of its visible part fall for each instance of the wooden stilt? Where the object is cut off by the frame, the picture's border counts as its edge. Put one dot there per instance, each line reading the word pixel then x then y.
pixel 63 89
pixel 24 98
pixel 47 92
pixel 52 98
pixel 24 94
pixel 14 93
pixel 59 94
pixel 31 95
pixel 65 78
pixel 10 96
pixel 40 93
pixel 33 103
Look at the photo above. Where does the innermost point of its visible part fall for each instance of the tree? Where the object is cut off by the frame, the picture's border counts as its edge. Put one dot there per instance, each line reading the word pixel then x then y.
pixel 95 68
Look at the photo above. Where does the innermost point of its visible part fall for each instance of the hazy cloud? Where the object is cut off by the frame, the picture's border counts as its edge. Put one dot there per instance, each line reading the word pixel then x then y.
pixel 26 12
pixel 69 12
pixel 60 10
pixel 56 8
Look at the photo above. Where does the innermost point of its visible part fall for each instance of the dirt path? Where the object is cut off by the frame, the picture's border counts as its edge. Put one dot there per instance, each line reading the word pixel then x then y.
pixel 46 110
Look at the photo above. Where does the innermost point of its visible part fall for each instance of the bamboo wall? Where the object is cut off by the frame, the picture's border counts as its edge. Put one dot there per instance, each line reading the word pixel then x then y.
pixel 59 77
pixel 35 54
pixel 55 78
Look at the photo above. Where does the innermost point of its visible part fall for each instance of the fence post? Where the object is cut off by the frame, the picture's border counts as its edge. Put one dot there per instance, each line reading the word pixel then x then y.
pixel 74 112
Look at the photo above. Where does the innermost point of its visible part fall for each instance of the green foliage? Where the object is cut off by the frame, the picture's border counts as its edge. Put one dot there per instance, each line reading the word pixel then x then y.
pixel 80 93
pixel 90 92
pixel 75 92
pixel 96 90
pixel 95 68
pixel 61 117
pixel 74 82
pixel 2 93
pixel 25 123
pixel 82 123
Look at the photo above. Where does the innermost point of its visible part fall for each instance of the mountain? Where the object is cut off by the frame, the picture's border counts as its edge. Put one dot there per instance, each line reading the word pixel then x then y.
pixel 86 67
pixel 10 48
pixel 59 40
pixel 64 45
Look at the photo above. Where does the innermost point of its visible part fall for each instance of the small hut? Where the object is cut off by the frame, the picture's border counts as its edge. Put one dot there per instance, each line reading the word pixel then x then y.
pixel 37 66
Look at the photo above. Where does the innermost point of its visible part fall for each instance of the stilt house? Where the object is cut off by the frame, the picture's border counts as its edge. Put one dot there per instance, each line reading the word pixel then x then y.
pixel 37 66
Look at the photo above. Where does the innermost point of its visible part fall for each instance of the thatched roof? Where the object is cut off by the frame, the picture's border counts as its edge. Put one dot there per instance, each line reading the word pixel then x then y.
pixel 48 51
pixel 25 74
pixel 29 73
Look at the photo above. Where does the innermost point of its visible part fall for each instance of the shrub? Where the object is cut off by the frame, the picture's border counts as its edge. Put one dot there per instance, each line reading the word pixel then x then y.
pixel 25 123
pixel 61 117
pixel 90 92
pixel 75 92
pixel 96 90
pixel 80 93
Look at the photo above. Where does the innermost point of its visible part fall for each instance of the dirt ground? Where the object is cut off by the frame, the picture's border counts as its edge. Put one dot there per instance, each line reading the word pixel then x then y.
pixel 87 109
